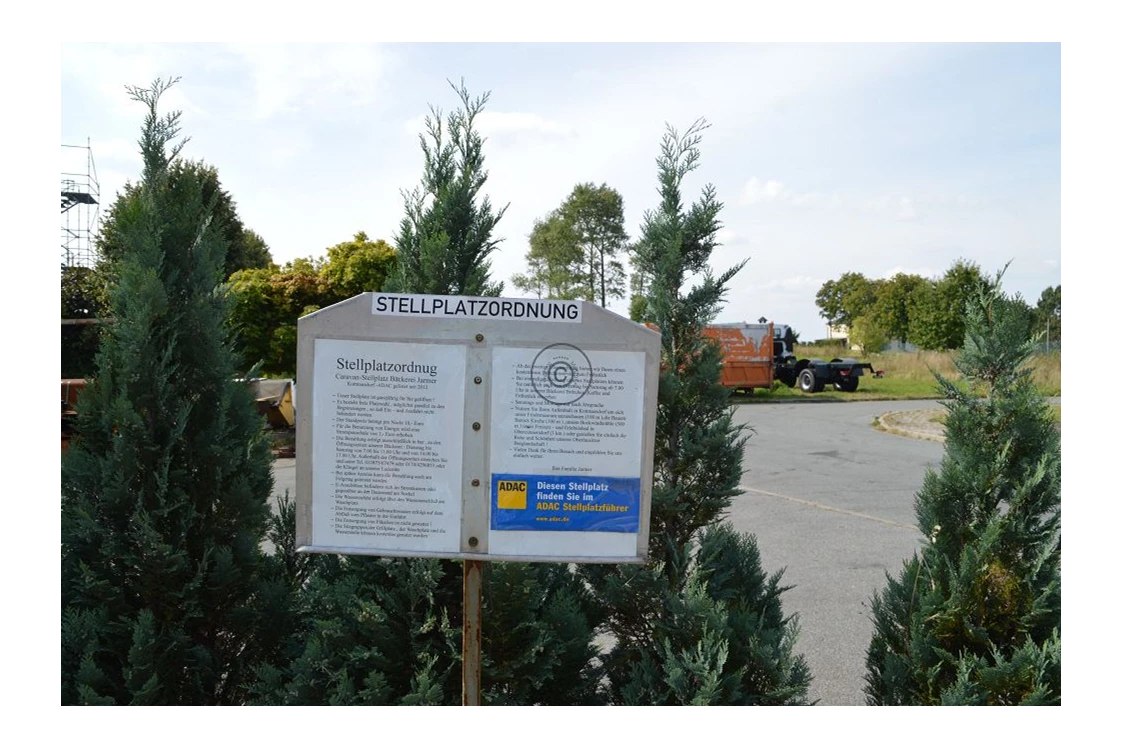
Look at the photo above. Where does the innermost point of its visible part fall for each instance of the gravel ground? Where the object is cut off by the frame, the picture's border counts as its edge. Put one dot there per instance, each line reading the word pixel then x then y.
pixel 919 424
pixel 923 423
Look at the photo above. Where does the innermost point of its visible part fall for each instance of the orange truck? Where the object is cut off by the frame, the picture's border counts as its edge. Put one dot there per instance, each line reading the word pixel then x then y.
pixel 755 355
pixel 747 354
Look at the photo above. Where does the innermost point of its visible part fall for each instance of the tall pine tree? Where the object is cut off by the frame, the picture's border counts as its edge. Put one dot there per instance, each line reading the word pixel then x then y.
pixel 388 630
pixel 975 618
pixel 446 237
pixel 701 623
pixel 164 495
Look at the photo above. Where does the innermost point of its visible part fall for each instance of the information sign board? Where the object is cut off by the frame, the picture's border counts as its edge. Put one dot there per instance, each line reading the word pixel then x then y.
pixel 457 427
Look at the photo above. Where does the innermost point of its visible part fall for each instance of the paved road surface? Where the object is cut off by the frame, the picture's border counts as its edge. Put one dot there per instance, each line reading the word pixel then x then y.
pixel 829 498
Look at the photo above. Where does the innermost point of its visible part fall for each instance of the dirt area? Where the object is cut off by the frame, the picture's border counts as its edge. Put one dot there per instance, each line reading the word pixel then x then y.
pixel 918 424
pixel 927 423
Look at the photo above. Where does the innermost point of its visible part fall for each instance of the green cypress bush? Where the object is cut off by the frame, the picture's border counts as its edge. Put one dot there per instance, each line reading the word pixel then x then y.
pixel 701 623
pixel 164 494
pixel 388 631
pixel 975 618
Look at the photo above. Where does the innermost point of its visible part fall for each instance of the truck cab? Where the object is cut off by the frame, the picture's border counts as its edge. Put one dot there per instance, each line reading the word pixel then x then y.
pixel 783 342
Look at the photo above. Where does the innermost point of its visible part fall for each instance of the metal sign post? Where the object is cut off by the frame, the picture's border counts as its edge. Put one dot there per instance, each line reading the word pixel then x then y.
pixel 481 429
pixel 473 633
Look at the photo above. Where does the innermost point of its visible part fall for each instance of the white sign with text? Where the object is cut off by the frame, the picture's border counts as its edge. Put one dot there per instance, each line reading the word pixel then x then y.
pixel 388 444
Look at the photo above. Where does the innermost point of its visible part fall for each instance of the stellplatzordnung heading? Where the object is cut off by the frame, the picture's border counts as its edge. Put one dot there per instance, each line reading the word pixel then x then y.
pixel 366 365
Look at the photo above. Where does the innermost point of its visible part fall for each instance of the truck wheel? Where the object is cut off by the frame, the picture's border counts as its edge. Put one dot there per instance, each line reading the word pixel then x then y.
pixel 847 384
pixel 807 381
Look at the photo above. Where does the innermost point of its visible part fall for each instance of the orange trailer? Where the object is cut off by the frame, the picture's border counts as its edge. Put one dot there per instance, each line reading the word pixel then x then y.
pixel 747 350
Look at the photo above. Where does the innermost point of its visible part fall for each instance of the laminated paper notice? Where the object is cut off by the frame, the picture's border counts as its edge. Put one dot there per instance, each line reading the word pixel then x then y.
pixel 387 445
pixel 566 439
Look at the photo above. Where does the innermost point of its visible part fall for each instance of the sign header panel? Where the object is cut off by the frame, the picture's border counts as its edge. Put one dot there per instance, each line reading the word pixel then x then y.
pixel 475 307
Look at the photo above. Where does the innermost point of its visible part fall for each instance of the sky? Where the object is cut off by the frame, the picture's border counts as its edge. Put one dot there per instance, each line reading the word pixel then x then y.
pixel 828 158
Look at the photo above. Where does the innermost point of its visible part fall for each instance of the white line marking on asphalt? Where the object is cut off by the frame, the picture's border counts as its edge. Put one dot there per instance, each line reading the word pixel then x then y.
pixel 827 508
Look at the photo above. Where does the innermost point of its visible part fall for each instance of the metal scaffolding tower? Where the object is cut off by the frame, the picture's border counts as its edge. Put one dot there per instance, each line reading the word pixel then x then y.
pixel 81 195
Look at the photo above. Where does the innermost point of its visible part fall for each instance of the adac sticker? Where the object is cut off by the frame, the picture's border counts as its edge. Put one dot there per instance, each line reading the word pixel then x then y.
pixel 564 502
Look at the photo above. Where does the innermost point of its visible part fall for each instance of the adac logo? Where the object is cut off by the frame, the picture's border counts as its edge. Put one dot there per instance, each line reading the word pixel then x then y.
pixel 511 494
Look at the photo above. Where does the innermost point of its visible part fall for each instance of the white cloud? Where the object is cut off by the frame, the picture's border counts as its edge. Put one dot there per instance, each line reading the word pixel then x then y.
pixel 728 236
pixel 904 207
pixel 251 80
pixel 107 68
pixel 120 151
pixel 806 209
pixel 766 191
pixel 798 283
pixel 112 181
pixel 906 211
pixel 414 125
pixel 901 207
pixel 958 201
pixel 74 160
pixel 502 125
pixel 508 123
pixel 806 198
pixel 759 191
pixel 590 75
pixel 299 77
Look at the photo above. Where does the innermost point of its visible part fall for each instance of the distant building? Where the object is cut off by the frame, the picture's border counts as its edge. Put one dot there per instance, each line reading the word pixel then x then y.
pixel 838 332
pixel 896 346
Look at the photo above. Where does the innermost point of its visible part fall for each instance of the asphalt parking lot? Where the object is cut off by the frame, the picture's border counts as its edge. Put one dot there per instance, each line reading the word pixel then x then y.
pixel 829 499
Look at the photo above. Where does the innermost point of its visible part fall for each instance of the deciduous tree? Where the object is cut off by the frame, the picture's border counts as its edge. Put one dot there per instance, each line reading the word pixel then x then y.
pixel 596 216
pixel 269 301
pixel 842 301
pixel 246 248
pixel 356 266
pixel 890 311
pixel 869 333
pixel 637 304
pixel 937 312
pixel 1047 315
pixel 554 261
pixel 84 296
pixel 574 253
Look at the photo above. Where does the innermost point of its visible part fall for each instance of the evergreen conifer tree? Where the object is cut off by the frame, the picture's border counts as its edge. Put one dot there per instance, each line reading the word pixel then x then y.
pixel 975 617
pixel 446 237
pixel 701 623
pixel 388 630
pixel 164 495
pixel 246 249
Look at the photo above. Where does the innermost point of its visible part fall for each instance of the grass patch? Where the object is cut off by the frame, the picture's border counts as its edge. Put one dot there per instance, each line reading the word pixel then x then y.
pixel 941 416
